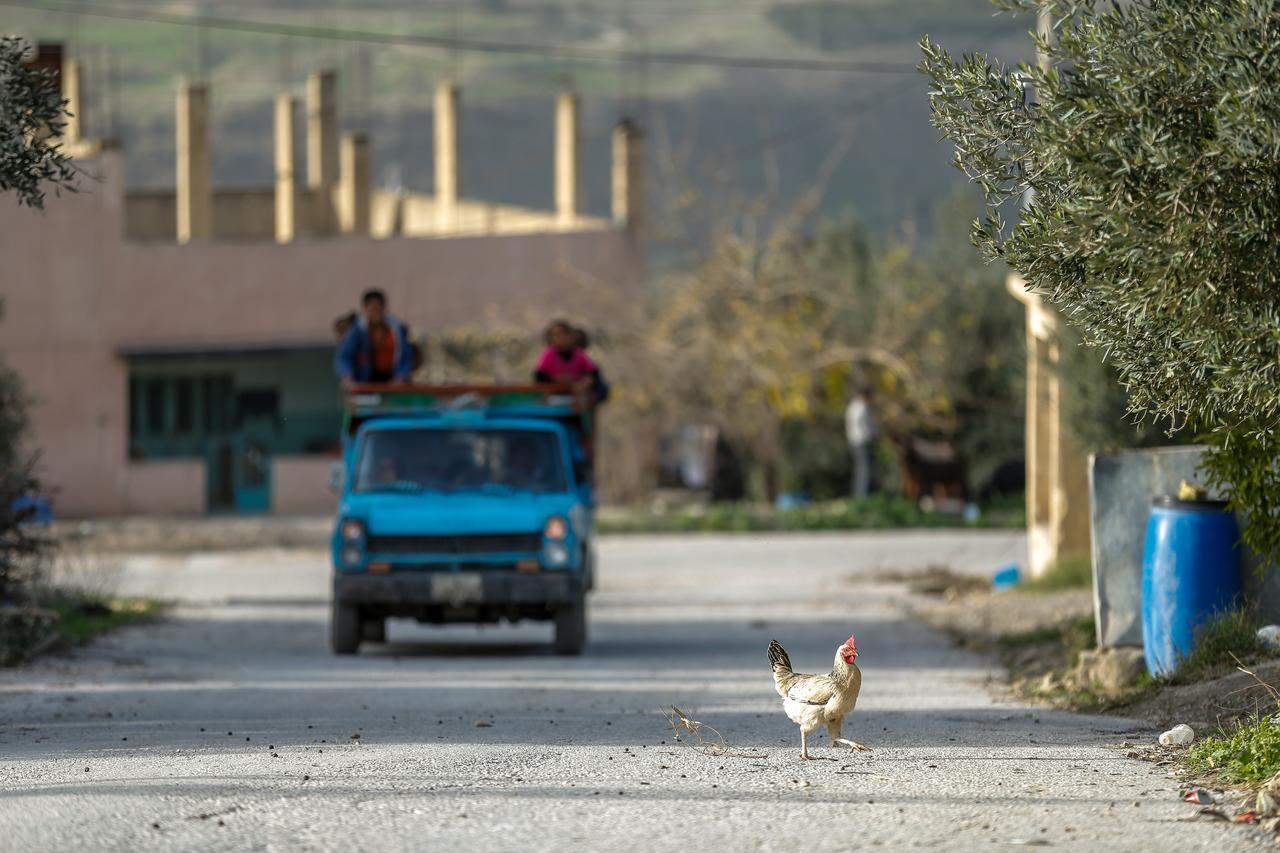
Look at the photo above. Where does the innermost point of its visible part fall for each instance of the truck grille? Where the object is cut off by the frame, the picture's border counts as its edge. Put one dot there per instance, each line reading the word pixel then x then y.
pixel 483 543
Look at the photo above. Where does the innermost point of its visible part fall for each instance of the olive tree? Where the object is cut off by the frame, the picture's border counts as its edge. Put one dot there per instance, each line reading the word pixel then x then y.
pixel 1144 154
pixel 32 116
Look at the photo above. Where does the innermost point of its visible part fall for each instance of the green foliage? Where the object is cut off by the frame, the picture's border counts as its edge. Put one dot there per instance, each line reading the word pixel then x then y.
pixel 1249 753
pixel 1243 463
pixel 1070 572
pixel 1231 632
pixel 20 547
pixel 769 336
pixel 1150 154
pixel 876 513
pixel 1095 404
pixel 32 115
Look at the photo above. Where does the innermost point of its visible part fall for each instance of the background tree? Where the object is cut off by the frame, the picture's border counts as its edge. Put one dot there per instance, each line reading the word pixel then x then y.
pixel 19 544
pixel 770 333
pixel 1149 153
pixel 32 117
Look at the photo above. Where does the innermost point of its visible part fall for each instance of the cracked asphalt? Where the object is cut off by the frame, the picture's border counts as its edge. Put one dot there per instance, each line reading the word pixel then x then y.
pixel 230 726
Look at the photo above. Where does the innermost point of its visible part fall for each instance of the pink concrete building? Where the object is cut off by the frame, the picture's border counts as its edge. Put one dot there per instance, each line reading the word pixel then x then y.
pixel 178 345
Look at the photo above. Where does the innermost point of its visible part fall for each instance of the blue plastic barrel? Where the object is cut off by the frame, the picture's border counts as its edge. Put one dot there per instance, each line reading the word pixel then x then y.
pixel 1190 571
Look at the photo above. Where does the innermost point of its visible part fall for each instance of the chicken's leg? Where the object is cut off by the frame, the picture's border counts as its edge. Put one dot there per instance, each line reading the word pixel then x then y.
pixel 853 745
pixel 804 747
pixel 833 729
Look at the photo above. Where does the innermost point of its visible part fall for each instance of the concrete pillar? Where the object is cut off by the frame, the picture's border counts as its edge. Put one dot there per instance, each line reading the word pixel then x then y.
pixel 448 161
pixel 322 129
pixel 286 169
pixel 566 165
pixel 322 149
pixel 355 194
pixel 628 176
pixel 195 192
pixel 1057 489
pixel 73 132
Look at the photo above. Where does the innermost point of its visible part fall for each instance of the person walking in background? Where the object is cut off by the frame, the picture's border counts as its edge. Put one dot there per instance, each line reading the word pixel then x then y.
pixel 376 348
pixel 860 429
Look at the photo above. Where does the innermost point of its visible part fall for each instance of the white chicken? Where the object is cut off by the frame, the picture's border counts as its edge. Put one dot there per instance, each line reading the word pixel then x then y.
pixel 812 701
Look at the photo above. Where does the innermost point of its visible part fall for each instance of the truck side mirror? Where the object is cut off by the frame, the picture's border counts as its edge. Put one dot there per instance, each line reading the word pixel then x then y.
pixel 336 476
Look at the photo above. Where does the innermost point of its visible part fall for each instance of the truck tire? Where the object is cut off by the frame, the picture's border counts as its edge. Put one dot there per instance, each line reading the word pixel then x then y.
pixel 344 629
pixel 373 630
pixel 571 627
pixel 589 568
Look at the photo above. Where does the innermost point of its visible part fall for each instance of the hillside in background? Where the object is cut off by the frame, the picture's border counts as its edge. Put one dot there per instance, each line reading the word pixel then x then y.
pixel 715 133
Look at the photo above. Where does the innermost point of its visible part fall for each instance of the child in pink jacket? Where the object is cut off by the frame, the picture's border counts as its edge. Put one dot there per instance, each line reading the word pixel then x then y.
pixel 564 361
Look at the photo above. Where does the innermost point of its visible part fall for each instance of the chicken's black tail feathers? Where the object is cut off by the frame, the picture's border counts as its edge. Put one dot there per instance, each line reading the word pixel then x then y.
pixel 778 657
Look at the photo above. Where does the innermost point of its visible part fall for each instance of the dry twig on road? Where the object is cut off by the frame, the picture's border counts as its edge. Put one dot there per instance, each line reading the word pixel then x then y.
pixel 704 738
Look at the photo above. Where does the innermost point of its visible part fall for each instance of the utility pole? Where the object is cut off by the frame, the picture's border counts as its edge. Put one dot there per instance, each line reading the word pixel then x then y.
pixel 1044 26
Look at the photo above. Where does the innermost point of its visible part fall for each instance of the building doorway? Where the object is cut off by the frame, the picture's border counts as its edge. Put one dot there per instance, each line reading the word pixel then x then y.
pixel 238 412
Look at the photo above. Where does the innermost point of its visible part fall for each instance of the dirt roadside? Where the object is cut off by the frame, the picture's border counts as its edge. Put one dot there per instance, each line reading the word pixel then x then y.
pixel 1039 637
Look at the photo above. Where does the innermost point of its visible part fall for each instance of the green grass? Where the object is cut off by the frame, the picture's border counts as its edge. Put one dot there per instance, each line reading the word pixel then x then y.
pixel 1232 632
pixel 876 513
pixel 81 618
pixel 1250 753
pixel 1073 636
pixel 58 619
pixel 1075 572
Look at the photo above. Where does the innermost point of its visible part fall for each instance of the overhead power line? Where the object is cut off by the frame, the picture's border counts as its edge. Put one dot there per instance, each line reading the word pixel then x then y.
pixel 774 63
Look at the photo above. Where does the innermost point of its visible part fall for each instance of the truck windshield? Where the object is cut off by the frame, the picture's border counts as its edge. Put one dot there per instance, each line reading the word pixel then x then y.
pixel 454 460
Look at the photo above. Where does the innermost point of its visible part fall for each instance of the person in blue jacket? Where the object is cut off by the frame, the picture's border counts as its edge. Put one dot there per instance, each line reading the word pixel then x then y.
pixel 376 348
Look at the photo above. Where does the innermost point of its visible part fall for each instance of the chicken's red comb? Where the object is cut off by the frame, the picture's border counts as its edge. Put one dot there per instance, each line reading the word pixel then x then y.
pixel 851 643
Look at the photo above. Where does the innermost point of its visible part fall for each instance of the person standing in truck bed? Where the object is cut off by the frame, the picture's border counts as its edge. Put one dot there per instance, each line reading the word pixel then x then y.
pixel 601 386
pixel 376 348
pixel 565 360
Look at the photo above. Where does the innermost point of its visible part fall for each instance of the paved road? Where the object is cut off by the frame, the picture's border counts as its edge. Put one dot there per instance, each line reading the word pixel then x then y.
pixel 231 727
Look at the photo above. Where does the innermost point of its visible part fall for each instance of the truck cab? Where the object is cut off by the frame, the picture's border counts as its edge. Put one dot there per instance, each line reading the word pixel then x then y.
pixel 463 505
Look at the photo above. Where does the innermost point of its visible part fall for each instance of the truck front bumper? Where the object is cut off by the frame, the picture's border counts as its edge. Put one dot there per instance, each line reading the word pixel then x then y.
pixel 458 589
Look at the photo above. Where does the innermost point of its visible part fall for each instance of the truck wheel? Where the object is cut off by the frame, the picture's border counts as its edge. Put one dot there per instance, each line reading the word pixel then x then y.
pixel 571 627
pixel 373 630
pixel 344 629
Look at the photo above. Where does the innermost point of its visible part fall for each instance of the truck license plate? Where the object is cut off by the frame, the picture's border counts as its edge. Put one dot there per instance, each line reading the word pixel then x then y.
pixel 456 588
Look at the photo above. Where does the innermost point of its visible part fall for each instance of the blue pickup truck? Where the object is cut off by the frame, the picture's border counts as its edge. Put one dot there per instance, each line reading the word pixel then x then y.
pixel 463 505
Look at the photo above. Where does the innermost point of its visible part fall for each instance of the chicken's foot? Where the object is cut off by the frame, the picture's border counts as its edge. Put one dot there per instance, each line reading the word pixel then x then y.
pixel 804 751
pixel 853 745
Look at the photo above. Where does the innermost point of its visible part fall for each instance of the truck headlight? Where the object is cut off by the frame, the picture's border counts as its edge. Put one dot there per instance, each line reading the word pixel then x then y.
pixel 351 556
pixel 557 529
pixel 352 530
pixel 556 554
